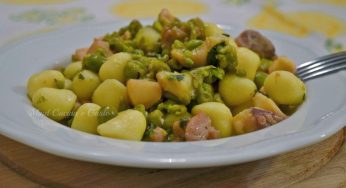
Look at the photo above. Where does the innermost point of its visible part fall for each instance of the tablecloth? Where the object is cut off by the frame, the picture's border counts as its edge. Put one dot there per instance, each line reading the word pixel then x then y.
pixel 322 20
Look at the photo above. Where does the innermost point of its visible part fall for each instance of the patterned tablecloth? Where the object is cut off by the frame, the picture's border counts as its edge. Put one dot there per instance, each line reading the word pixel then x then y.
pixel 324 20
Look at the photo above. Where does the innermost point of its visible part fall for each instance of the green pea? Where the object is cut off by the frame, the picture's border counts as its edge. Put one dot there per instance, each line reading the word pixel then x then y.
pixel 259 78
pixel 106 113
pixel 135 69
pixel 192 44
pixel 156 118
pixel 141 108
pixel 94 61
pixel 171 118
pixel 204 93
pixel 265 64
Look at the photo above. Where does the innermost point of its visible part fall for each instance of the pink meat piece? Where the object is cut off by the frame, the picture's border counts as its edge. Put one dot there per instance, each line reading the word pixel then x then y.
pixel 199 128
pixel 99 43
pixel 158 135
pixel 256 42
pixel 80 53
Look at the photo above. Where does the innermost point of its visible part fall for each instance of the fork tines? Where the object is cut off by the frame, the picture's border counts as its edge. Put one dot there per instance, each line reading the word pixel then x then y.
pixel 322 66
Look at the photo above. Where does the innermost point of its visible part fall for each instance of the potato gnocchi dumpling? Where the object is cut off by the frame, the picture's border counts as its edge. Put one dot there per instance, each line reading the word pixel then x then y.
pixel 143 92
pixel 129 125
pixel 47 78
pixel 84 84
pixel 284 88
pixel 114 66
pixel 220 115
pixel 72 69
pixel 170 81
pixel 111 92
pixel 248 62
pixel 54 103
pixel 236 90
pixel 86 118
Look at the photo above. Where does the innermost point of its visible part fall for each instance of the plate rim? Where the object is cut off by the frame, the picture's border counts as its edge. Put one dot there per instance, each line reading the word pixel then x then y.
pixel 150 163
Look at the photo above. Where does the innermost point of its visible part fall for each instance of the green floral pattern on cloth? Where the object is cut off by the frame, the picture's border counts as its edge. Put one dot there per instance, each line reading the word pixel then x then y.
pixel 333 46
pixel 53 16
pixel 237 2
pixel 296 18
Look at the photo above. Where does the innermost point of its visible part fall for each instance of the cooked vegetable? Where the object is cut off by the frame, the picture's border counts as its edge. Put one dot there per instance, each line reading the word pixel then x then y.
pixel 236 90
pixel 111 92
pixel 260 77
pixel 224 55
pixel 94 60
pixel 204 93
pixel 47 78
pixel 220 115
pixel 135 69
pixel 156 118
pixel 86 118
pixel 207 74
pixel 173 80
pixel 54 103
pixel 128 125
pixel 198 56
pixel 84 84
pixel 168 113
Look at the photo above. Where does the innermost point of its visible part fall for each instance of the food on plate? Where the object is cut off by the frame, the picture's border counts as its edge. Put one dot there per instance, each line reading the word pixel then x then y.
pixel 169 81
pixel 55 103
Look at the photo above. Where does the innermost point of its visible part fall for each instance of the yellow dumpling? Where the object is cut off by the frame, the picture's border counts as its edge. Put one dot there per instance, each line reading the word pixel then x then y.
pixel 284 88
pixel 54 103
pixel 220 115
pixel 212 29
pixel 47 78
pixel 111 92
pixel 235 90
pixel 113 68
pixel 248 62
pixel 86 118
pixel 177 86
pixel 72 69
pixel 143 92
pixel 84 84
pixel 129 125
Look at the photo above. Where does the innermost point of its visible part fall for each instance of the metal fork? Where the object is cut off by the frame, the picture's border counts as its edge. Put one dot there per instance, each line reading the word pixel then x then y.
pixel 322 66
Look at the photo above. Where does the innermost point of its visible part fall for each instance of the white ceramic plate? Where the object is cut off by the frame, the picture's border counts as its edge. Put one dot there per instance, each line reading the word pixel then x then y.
pixel 320 116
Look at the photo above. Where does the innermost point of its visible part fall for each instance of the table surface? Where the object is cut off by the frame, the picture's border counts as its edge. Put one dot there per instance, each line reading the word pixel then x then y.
pixel 301 18
pixel 320 165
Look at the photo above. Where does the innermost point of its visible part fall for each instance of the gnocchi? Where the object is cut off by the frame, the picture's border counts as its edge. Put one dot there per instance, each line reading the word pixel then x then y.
pixel 47 78
pixel 54 103
pixel 170 81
